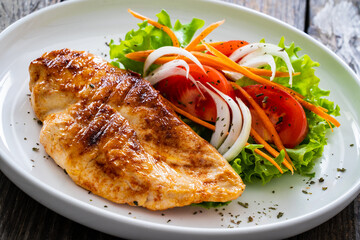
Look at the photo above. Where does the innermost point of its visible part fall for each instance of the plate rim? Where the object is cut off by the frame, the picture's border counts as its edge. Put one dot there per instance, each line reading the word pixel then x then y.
pixel 8 166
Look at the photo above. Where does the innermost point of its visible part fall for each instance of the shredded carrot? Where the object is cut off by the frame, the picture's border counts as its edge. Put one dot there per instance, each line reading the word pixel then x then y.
pixel 205 59
pixel 267 123
pixel 191 117
pixel 267 146
pixel 322 109
pixel 209 60
pixel 212 127
pixel 268 73
pixel 203 35
pixel 330 125
pixel 229 65
pixel 318 111
pixel 264 155
pixel 215 62
pixel 218 63
pixel 237 68
pixel 261 141
pixel 201 47
pixel 169 32
pixel 139 55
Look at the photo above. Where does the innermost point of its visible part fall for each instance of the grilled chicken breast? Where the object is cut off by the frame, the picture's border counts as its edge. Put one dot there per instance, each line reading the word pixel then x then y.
pixel 117 137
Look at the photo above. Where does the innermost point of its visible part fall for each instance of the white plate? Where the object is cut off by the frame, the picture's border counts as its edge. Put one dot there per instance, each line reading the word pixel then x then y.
pixel 87 25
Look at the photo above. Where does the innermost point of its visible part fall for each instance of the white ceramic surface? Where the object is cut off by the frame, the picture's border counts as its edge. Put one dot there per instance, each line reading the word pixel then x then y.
pixel 87 25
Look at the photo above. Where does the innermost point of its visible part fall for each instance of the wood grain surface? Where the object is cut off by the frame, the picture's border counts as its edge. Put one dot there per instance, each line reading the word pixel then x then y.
pixel 335 23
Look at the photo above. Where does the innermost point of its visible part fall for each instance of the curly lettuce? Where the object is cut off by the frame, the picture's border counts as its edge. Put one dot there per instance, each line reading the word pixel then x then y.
pixel 250 166
pixel 311 148
pixel 148 37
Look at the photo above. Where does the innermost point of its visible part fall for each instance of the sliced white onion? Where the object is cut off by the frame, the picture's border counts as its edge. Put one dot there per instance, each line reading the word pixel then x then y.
pixel 281 53
pixel 222 123
pixel 174 63
pixel 244 134
pixel 233 75
pixel 259 61
pixel 254 61
pixel 168 72
pixel 172 69
pixel 166 69
pixel 263 48
pixel 167 50
pixel 236 122
pixel 244 50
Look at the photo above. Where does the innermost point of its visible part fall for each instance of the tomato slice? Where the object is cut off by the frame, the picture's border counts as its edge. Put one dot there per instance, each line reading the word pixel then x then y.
pixel 286 114
pixel 185 95
pixel 227 48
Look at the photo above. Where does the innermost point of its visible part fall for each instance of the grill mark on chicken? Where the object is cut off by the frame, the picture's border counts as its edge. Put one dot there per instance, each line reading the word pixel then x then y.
pixel 117 137
pixel 98 124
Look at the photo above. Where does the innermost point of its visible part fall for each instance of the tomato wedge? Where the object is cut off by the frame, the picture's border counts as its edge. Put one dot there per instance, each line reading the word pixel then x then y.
pixel 286 114
pixel 185 95
pixel 227 48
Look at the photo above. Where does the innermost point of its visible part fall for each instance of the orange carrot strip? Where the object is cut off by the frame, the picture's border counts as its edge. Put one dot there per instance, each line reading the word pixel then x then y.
pixel 207 59
pixel 169 32
pixel 212 127
pixel 201 47
pixel 220 64
pixel 267 146
pixel 211 61
pixel 318 111
pixel 322 109
pixel 267 72
pixel 191 117
pixel 203 35
pixel 215 62
pixel 330 125
pixel 261 141
pixel 139 56
pixel 237 68
pixel 267 123
pixel 264 155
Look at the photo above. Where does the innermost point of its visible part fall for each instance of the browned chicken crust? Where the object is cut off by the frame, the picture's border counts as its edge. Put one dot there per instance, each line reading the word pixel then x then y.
pixel 116 136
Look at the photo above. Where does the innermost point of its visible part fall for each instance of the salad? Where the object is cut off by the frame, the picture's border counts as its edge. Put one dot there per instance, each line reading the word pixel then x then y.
pixel 258 104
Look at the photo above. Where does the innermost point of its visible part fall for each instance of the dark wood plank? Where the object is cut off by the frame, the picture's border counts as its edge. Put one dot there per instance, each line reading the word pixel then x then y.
pixel 341 20
pixel 337 25
pixel 291 12
pixel 340 227
pixel 12 10
pixel 20 215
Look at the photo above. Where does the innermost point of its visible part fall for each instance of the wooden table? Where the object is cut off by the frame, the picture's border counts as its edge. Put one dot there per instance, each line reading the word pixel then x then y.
pixel 335 23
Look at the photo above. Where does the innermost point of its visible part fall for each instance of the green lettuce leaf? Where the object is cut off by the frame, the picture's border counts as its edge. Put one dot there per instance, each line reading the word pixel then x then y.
pixel 148 37
pixel 251 167
pixel 304 155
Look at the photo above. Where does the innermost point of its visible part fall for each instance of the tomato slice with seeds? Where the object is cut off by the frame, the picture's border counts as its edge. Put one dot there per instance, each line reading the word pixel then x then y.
pixel 286 114
pixel 227 48
pixel 184 94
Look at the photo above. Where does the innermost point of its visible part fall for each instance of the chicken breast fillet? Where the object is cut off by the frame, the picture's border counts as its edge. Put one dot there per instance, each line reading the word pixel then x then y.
pixel 117 137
